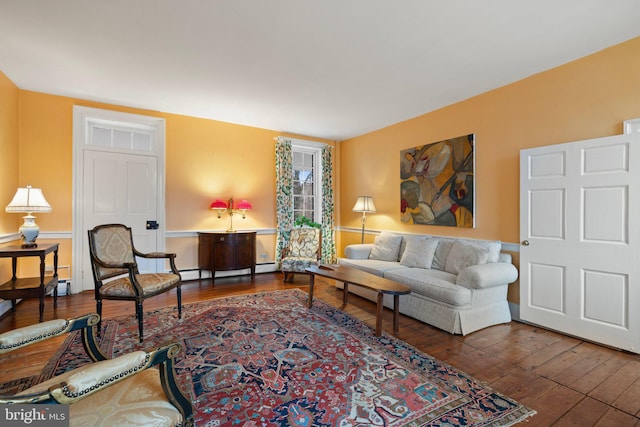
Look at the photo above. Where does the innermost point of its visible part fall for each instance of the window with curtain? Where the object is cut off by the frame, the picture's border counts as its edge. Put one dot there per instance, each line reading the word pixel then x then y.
pixel 304 186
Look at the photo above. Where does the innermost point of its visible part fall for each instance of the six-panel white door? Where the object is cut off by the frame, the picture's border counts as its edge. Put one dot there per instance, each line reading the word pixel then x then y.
pixel 580 239
pixel 121 188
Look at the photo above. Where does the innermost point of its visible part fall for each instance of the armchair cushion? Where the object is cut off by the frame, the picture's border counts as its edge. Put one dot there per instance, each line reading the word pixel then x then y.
pixel 11 340
pixel 151 283
pixel 303 243
pixel 137 401
pixel 297 264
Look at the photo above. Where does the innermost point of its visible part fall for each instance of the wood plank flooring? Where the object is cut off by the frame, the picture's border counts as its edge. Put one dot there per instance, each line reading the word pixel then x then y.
pixel 569 382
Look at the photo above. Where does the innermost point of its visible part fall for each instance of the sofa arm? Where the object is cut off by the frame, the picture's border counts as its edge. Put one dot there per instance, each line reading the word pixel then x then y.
pixel 487 275
pixel 358 251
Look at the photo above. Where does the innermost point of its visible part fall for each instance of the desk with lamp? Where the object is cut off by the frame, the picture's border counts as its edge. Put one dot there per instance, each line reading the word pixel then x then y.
pixel 28 200
pixel 229 250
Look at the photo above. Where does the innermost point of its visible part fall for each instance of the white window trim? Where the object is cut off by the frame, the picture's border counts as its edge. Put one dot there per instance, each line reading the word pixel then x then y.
pixel 310 147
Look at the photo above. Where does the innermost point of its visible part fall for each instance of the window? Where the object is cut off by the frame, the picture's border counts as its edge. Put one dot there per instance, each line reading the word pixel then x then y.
pixel 307 181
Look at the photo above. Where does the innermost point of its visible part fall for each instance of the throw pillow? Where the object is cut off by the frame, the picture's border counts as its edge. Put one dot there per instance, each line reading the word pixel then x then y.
pixel 493 246
pixel 464 254
pixel 419 253
pixel 442 251
pixel 386 247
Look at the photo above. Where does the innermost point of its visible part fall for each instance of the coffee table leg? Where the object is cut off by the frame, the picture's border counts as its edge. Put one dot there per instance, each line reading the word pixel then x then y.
pixel 311 280
pixel 379 314
pixel 396 313
pixel 345 293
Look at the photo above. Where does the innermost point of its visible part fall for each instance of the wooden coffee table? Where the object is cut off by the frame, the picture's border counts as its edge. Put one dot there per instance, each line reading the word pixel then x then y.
pixel 350 275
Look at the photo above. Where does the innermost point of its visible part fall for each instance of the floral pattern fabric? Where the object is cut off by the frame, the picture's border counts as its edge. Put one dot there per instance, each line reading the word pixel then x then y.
pixel 328 229
pixel 284 201
pixel 284 196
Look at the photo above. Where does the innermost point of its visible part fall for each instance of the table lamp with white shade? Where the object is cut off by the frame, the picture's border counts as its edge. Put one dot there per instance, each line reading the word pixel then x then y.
pixel 28 200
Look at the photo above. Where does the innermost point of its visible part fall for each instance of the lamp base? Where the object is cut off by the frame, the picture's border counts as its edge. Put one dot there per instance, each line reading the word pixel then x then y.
pixel 29 231
pixel 29 245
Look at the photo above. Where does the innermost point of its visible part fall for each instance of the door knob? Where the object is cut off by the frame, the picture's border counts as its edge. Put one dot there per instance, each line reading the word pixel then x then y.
pixel 525 243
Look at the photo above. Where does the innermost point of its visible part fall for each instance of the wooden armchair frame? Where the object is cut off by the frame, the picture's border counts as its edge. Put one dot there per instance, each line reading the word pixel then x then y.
pixel 67 389
pixel 132 286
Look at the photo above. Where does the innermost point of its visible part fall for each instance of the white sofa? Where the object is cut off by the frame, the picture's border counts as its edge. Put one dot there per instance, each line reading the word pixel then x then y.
pixel 458 285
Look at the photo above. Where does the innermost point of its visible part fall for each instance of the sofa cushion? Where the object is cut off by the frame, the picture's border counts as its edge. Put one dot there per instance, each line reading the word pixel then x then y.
pixel 386 247
pixel 372 266
pixel 419 252
pixel 433 284
pixel 464 254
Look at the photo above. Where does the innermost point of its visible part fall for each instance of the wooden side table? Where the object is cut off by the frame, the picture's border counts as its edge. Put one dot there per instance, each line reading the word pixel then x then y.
pixel 30 287
pixel 226 251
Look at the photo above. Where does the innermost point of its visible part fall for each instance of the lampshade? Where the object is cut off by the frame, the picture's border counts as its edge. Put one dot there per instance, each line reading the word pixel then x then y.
pixel 243 205
pixel 218 204
pixel 28 200
pixel 364 204
pixel 231 207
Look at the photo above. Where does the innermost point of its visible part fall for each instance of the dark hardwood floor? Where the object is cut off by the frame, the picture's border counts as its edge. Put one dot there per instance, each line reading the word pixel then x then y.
pixel 569 382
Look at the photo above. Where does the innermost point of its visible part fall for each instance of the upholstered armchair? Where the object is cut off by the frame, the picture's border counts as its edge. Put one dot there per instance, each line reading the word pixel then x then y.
pixel 303 250
pixel 137 388
pixel 113 256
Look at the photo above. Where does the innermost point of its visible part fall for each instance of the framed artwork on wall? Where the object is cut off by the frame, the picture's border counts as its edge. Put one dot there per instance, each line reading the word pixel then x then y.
pixel 437 183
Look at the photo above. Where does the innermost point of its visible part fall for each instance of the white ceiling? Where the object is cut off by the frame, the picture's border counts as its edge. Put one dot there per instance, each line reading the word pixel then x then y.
pixel 333 69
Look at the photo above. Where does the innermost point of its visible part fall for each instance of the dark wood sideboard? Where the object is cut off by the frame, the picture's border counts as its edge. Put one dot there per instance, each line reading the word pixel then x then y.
pixel 227 251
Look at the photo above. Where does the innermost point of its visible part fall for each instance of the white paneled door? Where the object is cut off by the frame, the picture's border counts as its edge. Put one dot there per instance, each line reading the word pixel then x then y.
pixel 580 239
pixel 118 178
pixel 121 188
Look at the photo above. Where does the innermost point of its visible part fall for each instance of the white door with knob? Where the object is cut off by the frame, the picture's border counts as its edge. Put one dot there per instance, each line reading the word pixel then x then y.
pixel 580 239
pixel 118 178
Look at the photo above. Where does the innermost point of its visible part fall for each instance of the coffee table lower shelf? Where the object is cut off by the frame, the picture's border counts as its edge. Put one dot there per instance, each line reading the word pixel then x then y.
pixel 350 275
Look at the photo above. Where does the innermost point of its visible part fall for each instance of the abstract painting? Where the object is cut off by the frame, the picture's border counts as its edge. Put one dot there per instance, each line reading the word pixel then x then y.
pixel 437 183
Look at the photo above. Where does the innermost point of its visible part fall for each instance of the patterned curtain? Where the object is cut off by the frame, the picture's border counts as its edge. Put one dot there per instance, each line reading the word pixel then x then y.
pixel 284 199
pixel 328 232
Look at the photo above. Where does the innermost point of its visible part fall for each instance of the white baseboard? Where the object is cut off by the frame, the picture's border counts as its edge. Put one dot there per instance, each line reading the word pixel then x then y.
pixel 206 274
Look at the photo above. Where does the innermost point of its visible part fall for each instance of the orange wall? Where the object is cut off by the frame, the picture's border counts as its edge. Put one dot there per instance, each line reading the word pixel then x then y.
pixel 9 148
pixel 584 99
pixel 205 159
pixel 9 223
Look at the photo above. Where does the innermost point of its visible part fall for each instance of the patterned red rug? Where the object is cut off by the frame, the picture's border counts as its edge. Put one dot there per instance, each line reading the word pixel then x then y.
pixel 267 360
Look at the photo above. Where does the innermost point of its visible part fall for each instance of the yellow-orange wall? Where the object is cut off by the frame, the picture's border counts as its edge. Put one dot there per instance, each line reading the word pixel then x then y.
pixel 9 148
pixel 584 99
pixel 8 159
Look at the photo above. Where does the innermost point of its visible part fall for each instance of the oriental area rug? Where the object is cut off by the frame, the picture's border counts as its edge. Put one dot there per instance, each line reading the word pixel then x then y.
pixel 267 360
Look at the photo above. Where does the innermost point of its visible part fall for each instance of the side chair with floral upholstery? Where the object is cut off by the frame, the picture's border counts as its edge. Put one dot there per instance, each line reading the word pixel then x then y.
pixel 137 388
pixel 113 256
pixel 303 250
